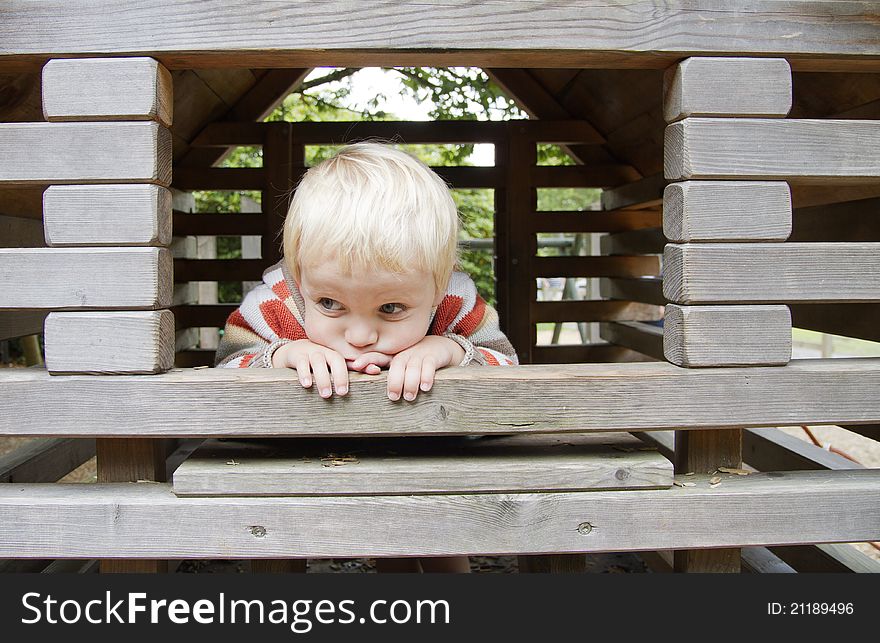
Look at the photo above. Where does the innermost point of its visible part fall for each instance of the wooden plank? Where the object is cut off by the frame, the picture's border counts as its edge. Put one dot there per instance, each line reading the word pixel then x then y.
pixel 713 86
pixel 284 160
pixel 871 431
pixel 107 215
pixel 218 178
pixel 199 357
pixel 644 193
pixel 760 560
pixel 816 150
pixel 822 558
pixel 129 152
pixel 850 320
pixel 771 272
pixel 45 460
pixel 638 336
pixel 774 450
pixel 110 342
pixel 596 353
pixel 227 224
pixel 849 221
pixel 583 311
pixel 219 269
pixel 580 176
pixel 648 290
pixel 107 89
pixel 700 336
pixel 613 221
pixel 727 211
pixel 24 202
pixel 198 316
pixel 16 232
pixel 149 521
pixel 634 242
pixel 514 464
pixel 79 279
pixel 595 266
pixel 596 397
pixel 19 323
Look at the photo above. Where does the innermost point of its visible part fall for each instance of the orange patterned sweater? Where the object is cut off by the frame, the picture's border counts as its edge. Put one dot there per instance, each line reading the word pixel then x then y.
pixel 272 313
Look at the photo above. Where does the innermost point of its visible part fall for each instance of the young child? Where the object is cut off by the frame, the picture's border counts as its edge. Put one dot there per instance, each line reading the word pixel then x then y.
pixel 368 283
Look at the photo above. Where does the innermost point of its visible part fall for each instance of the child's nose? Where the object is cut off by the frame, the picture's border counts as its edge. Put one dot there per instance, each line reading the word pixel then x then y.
pixel 361 336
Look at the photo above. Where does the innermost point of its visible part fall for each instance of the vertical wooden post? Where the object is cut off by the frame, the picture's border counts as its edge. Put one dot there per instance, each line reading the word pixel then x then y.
pixel 282 160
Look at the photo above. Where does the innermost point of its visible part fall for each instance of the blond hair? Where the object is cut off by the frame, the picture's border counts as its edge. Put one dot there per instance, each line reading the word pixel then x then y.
pixel 373 206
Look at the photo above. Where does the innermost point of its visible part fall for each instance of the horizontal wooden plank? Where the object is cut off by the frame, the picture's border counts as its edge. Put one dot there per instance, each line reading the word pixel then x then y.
pixel 595 397
pixel 613 221
pixel 18 323
pixel 149 521
pixel 219 269
pixel 627 267
pixel 827 558
pixel 714 86
pixel 773 149
pixel 634 242
pixel 195 358
pixel 102 89
pixel 232 224
pixel 202 315
pixel 646 339
pixel 775 450
pixel 771 272
pixel 579 176
pixel 850 320
pixel 107 215
pixel 16 232
pixel 574 34
pixel 598 353
pixel 79 279
pixel 45 460
pixel 589 311
pixel 760 560
pixel 848 221
pixel 404 466
pixel 727 211
pixel 129 152
pixel 219 178
pixel 699 336
pixel 110 342
pixel 644 193
pixel 648 290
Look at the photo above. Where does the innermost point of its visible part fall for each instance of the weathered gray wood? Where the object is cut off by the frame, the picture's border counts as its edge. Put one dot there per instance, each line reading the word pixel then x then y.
pixel 695 336
pixel 576 462
pixel 16 232
pixel 772 149
pixel 775 450
pixel 129 152
pixel 710 86
pixel 638 336
pixel 771 272
pixel 131 341
pixel 107 215
pixel 536 399
pixel 18 323
pixel 80 278
pixel 107 89
pixel 45 460
pixel 574 34
pixel 633 242
pixel 72 567
pixel 848 221
pixel 148 521
pixel 827 558
pixel 760 560
pixel 644 193
pixel 647 290
pixel 727 211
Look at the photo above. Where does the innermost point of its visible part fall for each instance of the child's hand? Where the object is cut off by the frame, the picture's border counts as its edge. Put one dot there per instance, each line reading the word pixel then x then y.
pixel 414 367
pixel 369 363
pixel 309 358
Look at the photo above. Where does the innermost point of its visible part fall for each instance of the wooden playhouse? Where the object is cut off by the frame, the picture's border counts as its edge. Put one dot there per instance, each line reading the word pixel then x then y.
pixel 735 147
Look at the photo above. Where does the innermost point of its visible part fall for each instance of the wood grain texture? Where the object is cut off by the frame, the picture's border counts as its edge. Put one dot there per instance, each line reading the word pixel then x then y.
pixel 107 215
pixel 713 86
pixel 699 336
pixel 537 399
pixel 102 89
pixel 644 193
pixel 774 450
pixel 648 290
pixel 773 149
pixel 79 279
pixel 727 211
pixel 771 272
pixel 128 152
pixel 110 342
pixel 575 462
pixel 148 521
pixel 638 336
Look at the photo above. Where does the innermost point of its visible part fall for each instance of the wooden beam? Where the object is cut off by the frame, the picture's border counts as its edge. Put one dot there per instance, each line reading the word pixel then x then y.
pixel 83 278
pixel 45 460
pixel 201 315
pixel 586 354
pixel 648 290
pixel 16 232
pixel 760 560
pixel 149 521
pixel 771 272
pixel 848 221
pixel 644 193
pixel 645 241
pixel 589 221
pixel 219 269
pixel 579 176
pixel 596 266
pixel 228 224
pixel 638 336
pixel 775 450
pixel 128 152
pixel 589 311
pixel 816 150
pixel 218 178
pixel 597 397
pixel 850 320
pixel 19 323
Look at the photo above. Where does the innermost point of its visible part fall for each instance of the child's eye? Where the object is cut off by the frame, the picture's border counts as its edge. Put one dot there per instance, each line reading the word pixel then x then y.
pixel 329 304
pixel 390 309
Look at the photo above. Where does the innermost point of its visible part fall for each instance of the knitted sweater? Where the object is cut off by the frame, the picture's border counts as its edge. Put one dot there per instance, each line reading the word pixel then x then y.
pixel 273 313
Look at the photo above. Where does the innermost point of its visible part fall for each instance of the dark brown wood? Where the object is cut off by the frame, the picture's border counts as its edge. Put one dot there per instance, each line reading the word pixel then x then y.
pixel 282 566
pixel 557 564
pixel 580 176
pixel 219 269
pixel 231 224
pixel 644 193
pixel 202 315
pixel 629 267
pixel 586 354
pixel 848 221
pixel 589 311
pixel 217 178
pixel 589 221
pixel 649 291
pixel 194 358
pixel 871 431
pixel 850 320
pixel 283 160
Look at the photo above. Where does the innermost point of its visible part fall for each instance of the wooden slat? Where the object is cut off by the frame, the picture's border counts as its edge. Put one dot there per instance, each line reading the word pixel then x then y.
pixel 45 460
pixel 771 272
pixel 644 193
pixel 195 358
pixel 760 560
pixel 589 311
pixel 822 558
pixel 773 149
pixel 110 342
pixel 871 431
pixel 633 242
pixel 399 467
pixel 648 290
pixel 646 339
pixel 16 232
pixel 36 521
pixel 231 224
pixel 727 211
pixel 613 221
pixel 849 221
pixel 579 176
pixel 851 320
pixel 107 215
pixel 130 152
pixel 699 336
pixel 79 279
pixel 218 178
pixel 596 397
pixel 218 269
pixel 626 267
pixel 586 354
pixel 197 316
pixel 18 323
pixel 711 86
pixel 774 450
pixel 102 89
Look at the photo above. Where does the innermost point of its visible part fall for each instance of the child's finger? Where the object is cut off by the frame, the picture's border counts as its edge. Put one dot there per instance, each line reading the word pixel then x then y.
pixel 396 372
pixel 372 369
pixel 304 371
pixel 429 367
pixel 340 372
pixel 411 378
pixel 322 375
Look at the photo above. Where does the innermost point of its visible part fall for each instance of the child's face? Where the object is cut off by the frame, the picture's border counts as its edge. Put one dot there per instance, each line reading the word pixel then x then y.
pixel 374 311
